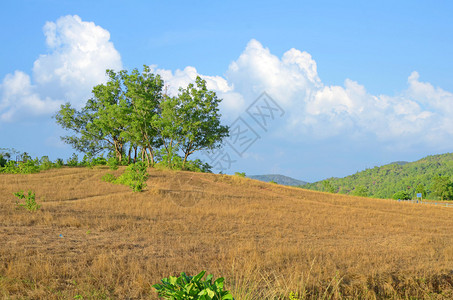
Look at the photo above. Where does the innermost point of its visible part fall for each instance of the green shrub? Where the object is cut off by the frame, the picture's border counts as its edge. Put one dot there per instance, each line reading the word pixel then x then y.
pixel 240 174
pixel 192 287
pixel 272 182
pixel 29 166
pixel 45 163
pixel 134 176
pixel 25 167
pixel 30 201
pixel 403 195
pixel 10 168
pixel 197 166
pixel 98 161
pixel 73 161
pixel 59 163
pixel 113 163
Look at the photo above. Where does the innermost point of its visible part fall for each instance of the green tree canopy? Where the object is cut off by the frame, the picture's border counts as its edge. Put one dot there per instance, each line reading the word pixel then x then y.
pixel 130 112
pixel 443 187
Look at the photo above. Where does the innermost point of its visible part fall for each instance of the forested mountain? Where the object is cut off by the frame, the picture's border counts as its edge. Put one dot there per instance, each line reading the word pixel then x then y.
pixel 280 179
pixel 385 181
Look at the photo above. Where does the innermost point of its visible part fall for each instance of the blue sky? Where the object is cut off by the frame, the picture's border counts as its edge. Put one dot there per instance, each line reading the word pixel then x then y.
pixel 360 84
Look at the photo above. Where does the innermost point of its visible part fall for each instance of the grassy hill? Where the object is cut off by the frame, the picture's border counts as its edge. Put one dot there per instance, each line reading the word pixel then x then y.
pixel 280 179
pixel 384 181
pixel 95 240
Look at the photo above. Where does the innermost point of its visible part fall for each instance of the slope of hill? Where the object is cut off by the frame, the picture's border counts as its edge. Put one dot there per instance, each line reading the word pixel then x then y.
pixel 96 240
pixel 280 179
pixel 384 181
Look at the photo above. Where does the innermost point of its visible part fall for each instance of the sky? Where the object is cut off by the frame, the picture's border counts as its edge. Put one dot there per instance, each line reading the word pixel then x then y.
pixel 310 89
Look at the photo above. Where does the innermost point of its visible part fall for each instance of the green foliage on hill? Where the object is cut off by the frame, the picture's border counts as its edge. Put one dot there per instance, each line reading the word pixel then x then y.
pixel 432 176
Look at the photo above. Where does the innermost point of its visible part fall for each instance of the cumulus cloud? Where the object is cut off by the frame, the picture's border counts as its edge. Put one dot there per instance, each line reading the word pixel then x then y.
pixel 232 101
pixel 420 113
pixel 79 54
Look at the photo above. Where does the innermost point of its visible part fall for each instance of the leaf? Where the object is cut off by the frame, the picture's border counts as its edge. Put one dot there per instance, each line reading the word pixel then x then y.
pixel 199 276
pixel 227 296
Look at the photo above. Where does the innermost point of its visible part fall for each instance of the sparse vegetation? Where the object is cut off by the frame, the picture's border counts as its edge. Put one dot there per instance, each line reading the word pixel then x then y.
pixel 134 177
pixel 30 201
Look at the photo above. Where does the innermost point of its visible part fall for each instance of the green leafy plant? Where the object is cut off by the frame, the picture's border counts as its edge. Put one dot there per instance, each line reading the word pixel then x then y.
pixel 240 174
pixel 45 163
pixel 134 176
pixel 402 195
pixel 273 182
pixel 113 163
pixel 73 161
pixel 30 201
pixel 59 163
pixel 192 287
pixel 293 296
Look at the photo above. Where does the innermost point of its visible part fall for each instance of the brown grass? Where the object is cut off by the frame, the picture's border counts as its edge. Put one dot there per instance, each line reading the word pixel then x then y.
pixel 99 240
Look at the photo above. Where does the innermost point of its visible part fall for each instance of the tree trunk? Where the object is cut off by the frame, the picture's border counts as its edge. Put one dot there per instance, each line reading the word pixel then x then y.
pixel 135 154
pixel 151 156
pixel 129 155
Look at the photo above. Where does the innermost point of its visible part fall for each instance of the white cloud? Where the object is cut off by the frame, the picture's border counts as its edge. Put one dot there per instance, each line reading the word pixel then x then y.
pixel 19 96
pixel 79 54
pixel 232 101
pixel 421 113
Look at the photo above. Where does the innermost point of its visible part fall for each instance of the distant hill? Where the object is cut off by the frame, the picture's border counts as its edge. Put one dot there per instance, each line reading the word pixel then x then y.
pixel 384 181
pixel 280 179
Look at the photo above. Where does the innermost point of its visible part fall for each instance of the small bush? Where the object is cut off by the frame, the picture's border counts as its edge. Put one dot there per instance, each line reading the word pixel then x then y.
pixel 30 201
pixel 135 177
pixel 10 168
pixel 73 161
pixel 45 163
pixel 403 195
pixel 240 174
pixel 192 287
pixel 113 163
pixel 59 163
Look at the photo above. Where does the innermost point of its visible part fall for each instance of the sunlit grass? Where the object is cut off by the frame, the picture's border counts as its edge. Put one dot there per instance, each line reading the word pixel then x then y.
pixel 97 240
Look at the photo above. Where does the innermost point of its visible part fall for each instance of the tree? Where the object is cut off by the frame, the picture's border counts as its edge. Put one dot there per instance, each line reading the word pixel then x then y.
pixel 443 187
pixel 420 189
pixel 361 191
pixel 168 125
pixel 143 93
pixel 131 112
pixel 99 124
pixel 199 113
pixel 328 187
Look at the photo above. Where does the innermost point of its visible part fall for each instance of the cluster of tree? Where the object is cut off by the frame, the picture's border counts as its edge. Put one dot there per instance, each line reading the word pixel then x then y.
pixel 26 165
pixel 132 117
pixel 430 176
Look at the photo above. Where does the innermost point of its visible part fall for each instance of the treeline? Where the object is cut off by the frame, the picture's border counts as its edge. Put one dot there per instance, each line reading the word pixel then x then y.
pixel 28 165
pixel 430 176
pixel 131 118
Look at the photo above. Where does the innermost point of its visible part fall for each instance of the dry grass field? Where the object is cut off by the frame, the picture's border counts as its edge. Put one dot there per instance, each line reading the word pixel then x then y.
pixel 96 240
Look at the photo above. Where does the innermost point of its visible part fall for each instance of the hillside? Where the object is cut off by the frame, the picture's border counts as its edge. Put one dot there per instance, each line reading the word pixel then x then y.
pixel 384 181
pixel 280 179
pixel 96 240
